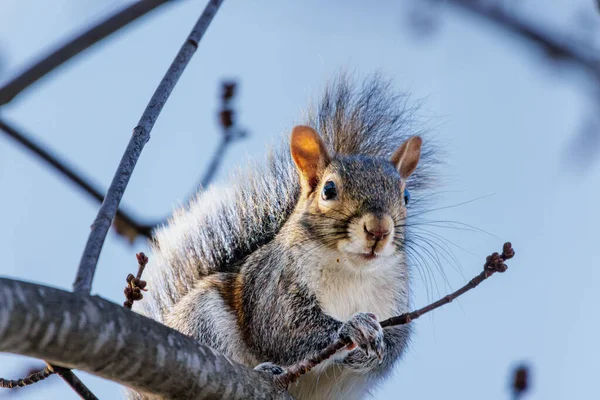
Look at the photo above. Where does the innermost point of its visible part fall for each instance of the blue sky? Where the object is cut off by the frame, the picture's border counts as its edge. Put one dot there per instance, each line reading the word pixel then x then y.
pixel 505 116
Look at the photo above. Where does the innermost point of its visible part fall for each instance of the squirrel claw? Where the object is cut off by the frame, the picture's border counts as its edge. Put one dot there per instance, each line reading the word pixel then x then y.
pixel 270 368
pixel 364 330
pixel 380 355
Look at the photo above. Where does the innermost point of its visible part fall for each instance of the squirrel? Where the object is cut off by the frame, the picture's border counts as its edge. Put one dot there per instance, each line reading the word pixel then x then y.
pixel 303 249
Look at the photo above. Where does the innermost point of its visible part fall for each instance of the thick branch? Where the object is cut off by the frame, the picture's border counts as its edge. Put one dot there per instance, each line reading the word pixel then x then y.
pixel 141 134
pixel 105 339
pixel 76 46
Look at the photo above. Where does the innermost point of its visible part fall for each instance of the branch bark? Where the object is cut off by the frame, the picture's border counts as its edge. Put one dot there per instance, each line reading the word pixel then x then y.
pixel 75 46
pixel 105 339
pixel 141 134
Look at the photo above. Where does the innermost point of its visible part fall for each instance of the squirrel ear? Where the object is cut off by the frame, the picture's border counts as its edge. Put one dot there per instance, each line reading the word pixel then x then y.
pixel 407 156
pixel 309 154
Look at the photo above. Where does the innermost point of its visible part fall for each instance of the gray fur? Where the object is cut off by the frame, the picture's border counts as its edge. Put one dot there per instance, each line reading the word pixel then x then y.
pixel 248 236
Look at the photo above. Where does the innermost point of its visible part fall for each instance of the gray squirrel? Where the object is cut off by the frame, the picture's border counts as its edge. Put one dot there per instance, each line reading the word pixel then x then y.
pixel 305 248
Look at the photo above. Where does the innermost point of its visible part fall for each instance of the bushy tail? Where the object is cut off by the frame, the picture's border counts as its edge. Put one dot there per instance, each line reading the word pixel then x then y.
pixel 222 226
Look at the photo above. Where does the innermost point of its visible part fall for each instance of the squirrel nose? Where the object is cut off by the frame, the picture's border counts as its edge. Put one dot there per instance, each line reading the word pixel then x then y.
pixel 377 230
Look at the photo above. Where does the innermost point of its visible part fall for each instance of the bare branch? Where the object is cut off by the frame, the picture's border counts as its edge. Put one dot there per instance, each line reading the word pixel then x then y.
pixel 29 380
pixel 494 263
pixel 71 173
pixel 141 134
pixel 43 322
pixel 76 46
pixel 553 44
pixel 72 380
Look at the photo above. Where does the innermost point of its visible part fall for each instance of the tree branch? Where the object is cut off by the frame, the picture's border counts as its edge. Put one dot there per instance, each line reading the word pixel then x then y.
pixel 107 340
pixel 141 134
pixel 76 46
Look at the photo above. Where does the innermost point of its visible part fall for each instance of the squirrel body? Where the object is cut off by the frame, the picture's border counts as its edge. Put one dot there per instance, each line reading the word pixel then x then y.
pixel 303 250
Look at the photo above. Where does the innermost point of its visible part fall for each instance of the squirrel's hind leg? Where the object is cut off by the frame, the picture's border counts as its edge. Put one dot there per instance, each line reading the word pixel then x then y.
pixel 208 314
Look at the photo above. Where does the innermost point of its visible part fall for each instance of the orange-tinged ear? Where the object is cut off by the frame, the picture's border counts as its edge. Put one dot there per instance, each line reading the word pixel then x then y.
pixel 407 156
pixel 309 154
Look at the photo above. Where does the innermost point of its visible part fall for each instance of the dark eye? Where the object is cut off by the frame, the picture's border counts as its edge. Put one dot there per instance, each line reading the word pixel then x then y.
pixel 406 196
pixel 329 191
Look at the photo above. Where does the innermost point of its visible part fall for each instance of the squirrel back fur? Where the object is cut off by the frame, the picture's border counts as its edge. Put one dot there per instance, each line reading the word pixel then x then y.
pixel 222 226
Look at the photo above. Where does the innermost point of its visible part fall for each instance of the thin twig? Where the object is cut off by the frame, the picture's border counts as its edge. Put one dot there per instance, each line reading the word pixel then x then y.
pixel 141 134
pixel 29 380
pixel 135 285
pixel 66 374
pixel 494 263
pixel 76 46
pixel 72 380
pixel 71 173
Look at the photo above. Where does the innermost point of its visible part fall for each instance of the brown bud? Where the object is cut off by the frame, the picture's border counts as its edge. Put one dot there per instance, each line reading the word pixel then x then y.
pixel 507 251
pixel 521 380
pixel 142 258
pixel 228 90
pixel 226 118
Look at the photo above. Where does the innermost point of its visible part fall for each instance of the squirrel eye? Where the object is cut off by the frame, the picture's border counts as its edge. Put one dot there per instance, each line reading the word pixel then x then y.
pixel 329 191
pixel 406 196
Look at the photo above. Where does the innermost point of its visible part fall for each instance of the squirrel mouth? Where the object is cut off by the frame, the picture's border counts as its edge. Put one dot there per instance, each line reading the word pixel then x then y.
pixel 370 256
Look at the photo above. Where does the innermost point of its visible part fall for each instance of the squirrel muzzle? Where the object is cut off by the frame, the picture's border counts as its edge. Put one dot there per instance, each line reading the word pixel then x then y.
pixel 377 232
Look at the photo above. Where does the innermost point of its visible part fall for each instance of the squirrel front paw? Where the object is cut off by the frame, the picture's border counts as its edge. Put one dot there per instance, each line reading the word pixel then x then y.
pixel 365 332
pixel 270 368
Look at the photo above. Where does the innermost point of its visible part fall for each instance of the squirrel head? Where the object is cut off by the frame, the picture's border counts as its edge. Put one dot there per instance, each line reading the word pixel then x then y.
pixel 353 204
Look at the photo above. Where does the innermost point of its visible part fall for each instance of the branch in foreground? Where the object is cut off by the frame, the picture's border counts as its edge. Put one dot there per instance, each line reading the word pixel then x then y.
pixel 494 263
pixel 141 135
pixel 76 46
pixel 62 327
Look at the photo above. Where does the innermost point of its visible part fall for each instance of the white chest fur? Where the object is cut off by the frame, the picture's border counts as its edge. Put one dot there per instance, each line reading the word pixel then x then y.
pixel 345 287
